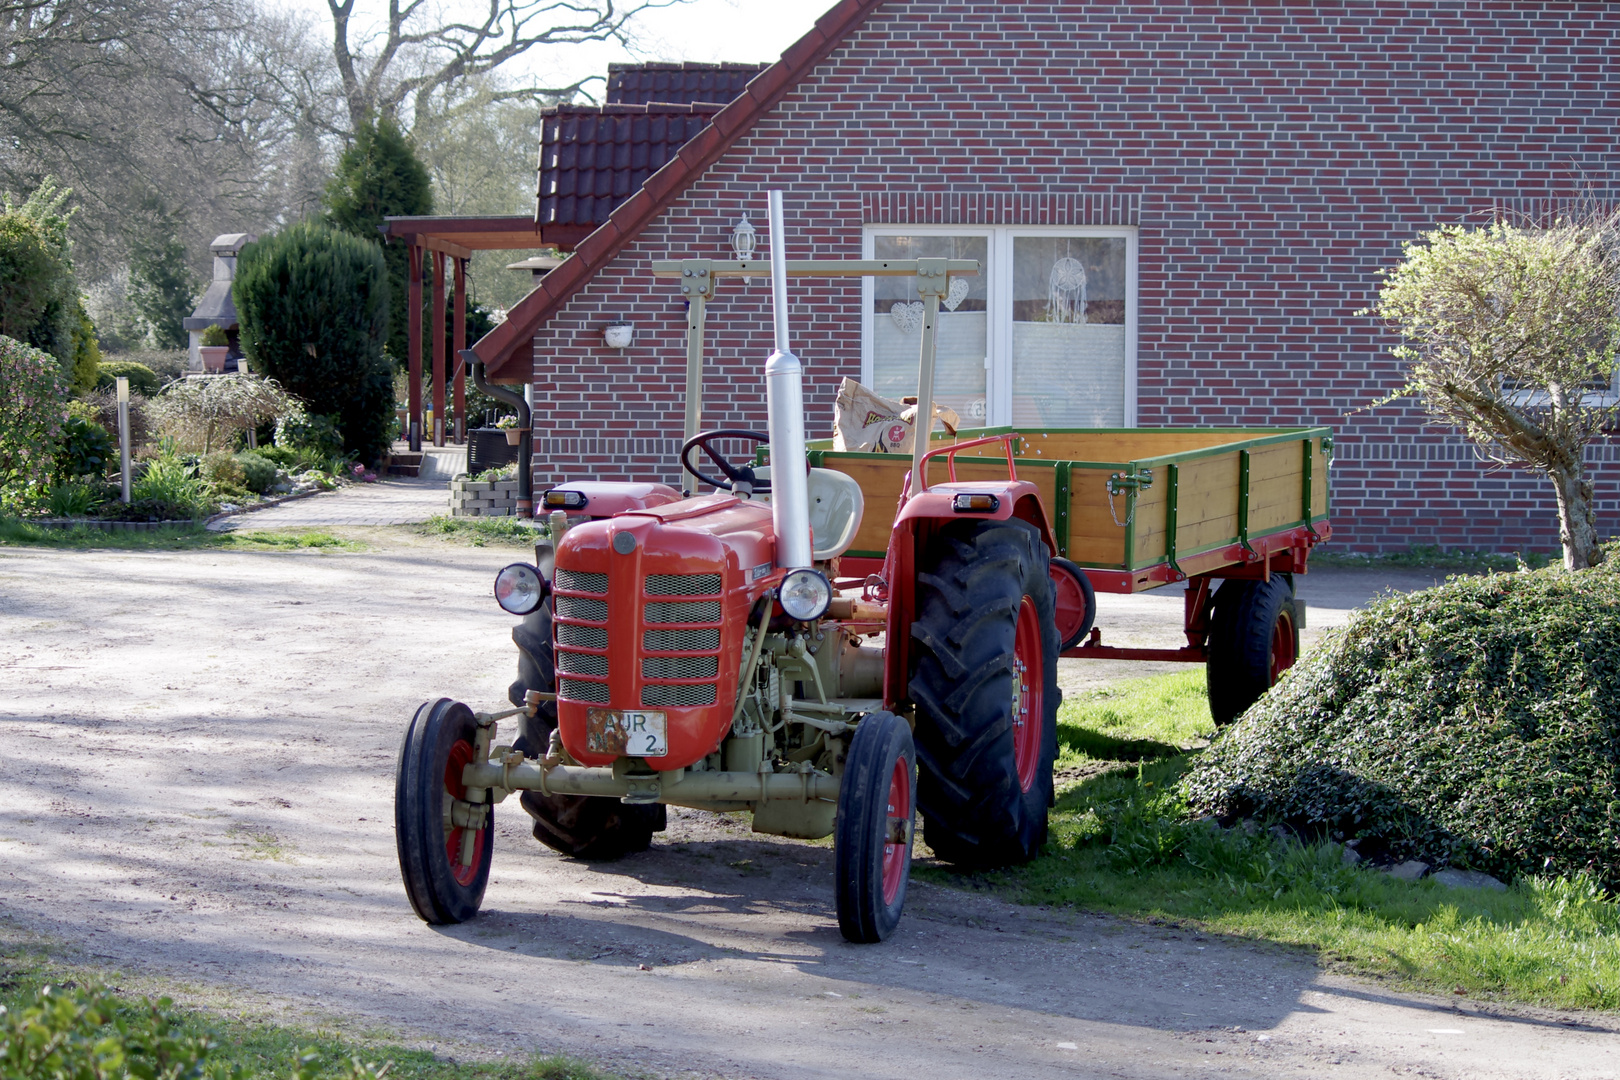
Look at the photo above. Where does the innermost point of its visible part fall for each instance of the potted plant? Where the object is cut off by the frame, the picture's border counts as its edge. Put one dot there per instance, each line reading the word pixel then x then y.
pixel 215 345
pixel 514 434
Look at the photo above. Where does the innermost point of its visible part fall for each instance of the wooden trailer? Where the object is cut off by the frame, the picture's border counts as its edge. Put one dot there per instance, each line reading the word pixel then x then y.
pixel 1135 508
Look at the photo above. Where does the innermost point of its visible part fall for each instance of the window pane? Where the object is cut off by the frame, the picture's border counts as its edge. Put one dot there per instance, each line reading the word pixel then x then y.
pixel 1068 362
pixel 961 341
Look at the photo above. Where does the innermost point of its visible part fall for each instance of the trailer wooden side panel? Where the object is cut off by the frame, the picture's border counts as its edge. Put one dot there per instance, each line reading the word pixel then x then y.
pixel 1129 500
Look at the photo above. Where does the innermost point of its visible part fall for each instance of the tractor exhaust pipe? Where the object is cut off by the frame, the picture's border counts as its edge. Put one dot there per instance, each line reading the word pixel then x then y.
pixel 784 405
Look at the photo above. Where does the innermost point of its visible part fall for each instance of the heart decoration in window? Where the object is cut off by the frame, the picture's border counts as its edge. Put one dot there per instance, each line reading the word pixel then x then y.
pixel 907 317
pixel 958 293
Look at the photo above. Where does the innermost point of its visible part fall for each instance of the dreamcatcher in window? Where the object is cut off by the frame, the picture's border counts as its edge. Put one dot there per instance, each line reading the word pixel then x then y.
pixel 1066 291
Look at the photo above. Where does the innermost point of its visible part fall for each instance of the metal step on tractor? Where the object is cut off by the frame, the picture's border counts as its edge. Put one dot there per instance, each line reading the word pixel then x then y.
pixel 730 652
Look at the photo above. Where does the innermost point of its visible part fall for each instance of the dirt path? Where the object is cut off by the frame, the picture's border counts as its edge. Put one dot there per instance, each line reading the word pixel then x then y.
pixel 196 781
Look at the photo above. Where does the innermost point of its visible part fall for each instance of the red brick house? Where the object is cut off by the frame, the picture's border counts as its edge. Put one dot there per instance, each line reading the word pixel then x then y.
pixel 1205 193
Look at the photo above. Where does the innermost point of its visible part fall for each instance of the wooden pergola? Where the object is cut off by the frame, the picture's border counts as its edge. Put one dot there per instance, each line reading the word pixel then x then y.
pixel 435 242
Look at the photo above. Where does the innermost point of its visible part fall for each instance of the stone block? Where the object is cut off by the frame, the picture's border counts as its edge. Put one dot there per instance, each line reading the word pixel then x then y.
pixel 1411 870
pixel 1467 879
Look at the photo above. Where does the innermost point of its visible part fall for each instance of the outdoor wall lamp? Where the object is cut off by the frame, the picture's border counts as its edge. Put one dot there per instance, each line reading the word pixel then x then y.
pixel 619 335
pixel 742 240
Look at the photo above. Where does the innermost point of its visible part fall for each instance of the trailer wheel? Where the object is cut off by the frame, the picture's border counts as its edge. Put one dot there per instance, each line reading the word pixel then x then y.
pixel 438 744
pixel 1253 639
pixel 873 836
pixel 584 827
pixel 985 685
pixel 1074 603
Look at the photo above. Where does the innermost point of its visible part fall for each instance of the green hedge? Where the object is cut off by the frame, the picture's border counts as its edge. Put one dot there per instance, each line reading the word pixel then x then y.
pixel 142 379
pixel 1476 724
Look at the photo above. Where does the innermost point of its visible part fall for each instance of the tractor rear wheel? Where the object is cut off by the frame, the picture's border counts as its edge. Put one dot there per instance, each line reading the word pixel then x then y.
pixel 583 826
pixel 985 686
pixel 443 886
pixel 1253 639
pixel 872 843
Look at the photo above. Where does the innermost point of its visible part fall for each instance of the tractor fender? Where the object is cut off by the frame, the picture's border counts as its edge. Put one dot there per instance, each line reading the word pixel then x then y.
pixel 604 498
pixel 921 516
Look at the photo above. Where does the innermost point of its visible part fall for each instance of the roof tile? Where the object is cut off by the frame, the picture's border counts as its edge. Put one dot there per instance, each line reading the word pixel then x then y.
pixel 641 84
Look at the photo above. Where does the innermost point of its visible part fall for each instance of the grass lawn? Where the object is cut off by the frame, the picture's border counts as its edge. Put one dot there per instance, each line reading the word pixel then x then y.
pixel 1119 843
pixel 200 1043
pixel 480 532
pixel 179 537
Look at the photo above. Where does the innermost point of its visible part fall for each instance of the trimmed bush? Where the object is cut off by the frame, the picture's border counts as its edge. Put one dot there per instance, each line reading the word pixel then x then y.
pixel 258 472
pixel 313 309
pixel 86 449
pixel 1474 724
pixel 142 379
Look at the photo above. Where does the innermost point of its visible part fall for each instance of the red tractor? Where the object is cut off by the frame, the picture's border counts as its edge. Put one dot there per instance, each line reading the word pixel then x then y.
pixel 710 652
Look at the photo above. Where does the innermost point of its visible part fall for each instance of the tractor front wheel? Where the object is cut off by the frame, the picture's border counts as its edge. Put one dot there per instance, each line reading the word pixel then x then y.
pixel 985 685
pixel 1253 639
pixel 583 826
pixel 445 869
pixel 872 842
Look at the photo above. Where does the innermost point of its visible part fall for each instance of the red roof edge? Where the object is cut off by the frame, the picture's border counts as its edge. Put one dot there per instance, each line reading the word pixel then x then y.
pixel 499 348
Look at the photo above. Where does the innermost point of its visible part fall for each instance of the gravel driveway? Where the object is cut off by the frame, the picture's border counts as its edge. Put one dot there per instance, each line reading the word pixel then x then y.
pixel 196 784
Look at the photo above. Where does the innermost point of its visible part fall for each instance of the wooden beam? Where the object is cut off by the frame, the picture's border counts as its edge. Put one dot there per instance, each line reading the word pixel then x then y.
pixel 436 322
pixel 459 335
pixel 413 348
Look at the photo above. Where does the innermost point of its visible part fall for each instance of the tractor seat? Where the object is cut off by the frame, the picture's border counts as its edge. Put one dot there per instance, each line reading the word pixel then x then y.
pixel 836 505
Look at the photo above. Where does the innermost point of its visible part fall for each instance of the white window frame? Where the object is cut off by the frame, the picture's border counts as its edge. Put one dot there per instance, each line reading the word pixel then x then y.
pixel 998 290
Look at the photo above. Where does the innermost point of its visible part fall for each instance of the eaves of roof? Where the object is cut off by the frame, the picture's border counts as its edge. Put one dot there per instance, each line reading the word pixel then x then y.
pixel 507 351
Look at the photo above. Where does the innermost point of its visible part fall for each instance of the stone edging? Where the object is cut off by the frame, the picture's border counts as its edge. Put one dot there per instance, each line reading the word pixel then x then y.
pixel 267 503
pixel 106 525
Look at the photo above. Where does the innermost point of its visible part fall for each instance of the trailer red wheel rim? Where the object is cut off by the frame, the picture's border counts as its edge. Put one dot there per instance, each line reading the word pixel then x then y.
pixel 1282 646
pixel 895 848
pixel 1069 603
pixel 1029 681
pixel 461 755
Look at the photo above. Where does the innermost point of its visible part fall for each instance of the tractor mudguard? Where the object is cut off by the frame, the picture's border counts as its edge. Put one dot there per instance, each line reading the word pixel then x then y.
pixel 913 527
pixel 604 498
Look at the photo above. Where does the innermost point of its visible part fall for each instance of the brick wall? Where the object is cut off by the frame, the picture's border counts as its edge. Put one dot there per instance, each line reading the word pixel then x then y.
pixel 1273 155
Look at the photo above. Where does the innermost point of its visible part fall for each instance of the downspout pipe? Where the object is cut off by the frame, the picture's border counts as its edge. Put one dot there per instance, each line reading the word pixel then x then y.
pixel 525 469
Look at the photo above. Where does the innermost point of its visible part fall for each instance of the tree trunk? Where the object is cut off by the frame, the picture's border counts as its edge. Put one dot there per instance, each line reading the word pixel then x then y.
pixel 1577 516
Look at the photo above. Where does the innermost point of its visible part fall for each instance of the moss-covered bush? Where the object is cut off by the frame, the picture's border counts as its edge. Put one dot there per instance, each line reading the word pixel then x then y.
pixel 1476 724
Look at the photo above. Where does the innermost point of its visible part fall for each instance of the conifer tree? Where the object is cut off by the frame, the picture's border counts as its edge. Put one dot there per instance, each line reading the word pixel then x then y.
pixel 312 303
pixel 379 176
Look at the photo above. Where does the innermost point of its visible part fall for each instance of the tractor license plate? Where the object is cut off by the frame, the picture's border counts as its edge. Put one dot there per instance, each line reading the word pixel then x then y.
pixel 626 732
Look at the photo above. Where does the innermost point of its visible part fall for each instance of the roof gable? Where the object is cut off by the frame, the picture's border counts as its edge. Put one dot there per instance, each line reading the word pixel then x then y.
pixel 500 349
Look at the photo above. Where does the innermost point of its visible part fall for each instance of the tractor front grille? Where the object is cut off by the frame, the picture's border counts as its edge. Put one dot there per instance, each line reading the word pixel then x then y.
pixel 683 584
pixel 677 599
pixel 680 667
pixel 582 663
pixel 681 640
pixel 677 611
pixel 593 693
pixel 587 608
pixel 581 581
pixel 586 637
pixel 573 637
pixel 678 696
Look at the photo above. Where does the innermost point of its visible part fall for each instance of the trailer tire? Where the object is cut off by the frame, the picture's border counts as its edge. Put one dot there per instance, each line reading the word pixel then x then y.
pixel 1253 639
pixel 581 826
pixel 1074 603
pixel 984 613
pixel 438 742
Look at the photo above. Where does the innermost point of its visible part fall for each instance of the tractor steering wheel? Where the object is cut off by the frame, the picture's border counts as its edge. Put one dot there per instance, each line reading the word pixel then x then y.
pixel 734 474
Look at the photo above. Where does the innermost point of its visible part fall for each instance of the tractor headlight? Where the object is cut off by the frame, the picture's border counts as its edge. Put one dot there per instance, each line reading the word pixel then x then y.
pixel 519 588
pixel 805 594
